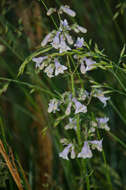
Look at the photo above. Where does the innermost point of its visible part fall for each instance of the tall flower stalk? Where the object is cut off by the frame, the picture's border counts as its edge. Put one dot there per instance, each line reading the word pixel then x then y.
pixel 70 55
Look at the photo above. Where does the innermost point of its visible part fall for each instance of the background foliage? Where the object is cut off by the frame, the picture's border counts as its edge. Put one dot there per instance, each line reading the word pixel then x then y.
pixel 24 123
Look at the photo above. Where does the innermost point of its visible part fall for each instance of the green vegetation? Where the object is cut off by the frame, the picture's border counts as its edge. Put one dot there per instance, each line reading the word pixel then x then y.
pixel 29 135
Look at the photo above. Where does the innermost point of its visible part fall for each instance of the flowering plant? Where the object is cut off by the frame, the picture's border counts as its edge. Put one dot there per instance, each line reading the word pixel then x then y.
pixel 66 53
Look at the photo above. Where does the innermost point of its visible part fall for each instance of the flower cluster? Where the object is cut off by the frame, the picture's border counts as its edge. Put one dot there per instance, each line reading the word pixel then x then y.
pixel 85 152
pixel 86 64
pixel 61 39
pixel 51 67
pixel 74 105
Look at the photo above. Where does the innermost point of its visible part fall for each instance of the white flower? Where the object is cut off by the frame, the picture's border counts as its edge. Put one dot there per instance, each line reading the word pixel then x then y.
pixel 50 11
pixel 53 105
pixel 79 107
pixel 64 141
pixel 56 41
pixel 67 10
pixel 82 68
pixel 48 38
pixel 78 28
pixel 73 155
pixel 96 144
pixel 68 110
pixel 86 151
pixel 49 70
pixel 83 94
pixel 100 95
pixel 63 46
pixel 44 64
pixel 72 124
pixel 79 43
pixel 92 130
pixel 102 123
pixel 93 127
pixel 59 68
pixel 65 152
pixel 69 38
pixel 82 29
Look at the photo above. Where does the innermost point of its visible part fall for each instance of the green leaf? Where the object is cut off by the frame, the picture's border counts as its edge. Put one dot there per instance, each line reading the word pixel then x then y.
pixel 123 50
pixel 4 88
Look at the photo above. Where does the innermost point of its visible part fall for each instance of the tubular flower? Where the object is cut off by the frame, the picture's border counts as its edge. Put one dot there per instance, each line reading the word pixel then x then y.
pixel 49 70
pixel 66 9
pixel 100 95
pixel 79 43
pixel 72 124
pixel 79 107
pixel 102 123
pixel 86 151
pixel 48 38
pixel 96 144
pixel 65 152
pixel 53 105
pixel 59 68
pixel 68 110
pixel 39 60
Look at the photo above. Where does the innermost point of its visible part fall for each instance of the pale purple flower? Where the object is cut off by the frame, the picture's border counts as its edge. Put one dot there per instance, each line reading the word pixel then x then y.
pixel 86 151
pixel 64 25
pixel 53 105
pixel 72 124
pixel 65 152
pixel 56 41
pixel 100 95
pixel 102 123
pixel 87 64
pixel 79 107
pixel 49 70
pixel 96 144
pixel 79 43
pixel 67 10
pixel 39 60
pixel 50 11
pixel 59 68
pixel 68 110
pixel 63 46
pixel 78 28
pixel 48 38
pixel 90 64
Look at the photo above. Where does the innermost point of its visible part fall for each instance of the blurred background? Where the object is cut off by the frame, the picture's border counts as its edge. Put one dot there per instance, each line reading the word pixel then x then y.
pixel 26 130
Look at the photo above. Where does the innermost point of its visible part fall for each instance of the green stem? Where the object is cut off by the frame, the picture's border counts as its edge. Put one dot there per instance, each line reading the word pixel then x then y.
pixel 118 79
pixel 106 166
pixel 27 84
pixel 50 16
pixel 72 77
pixel 78 132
